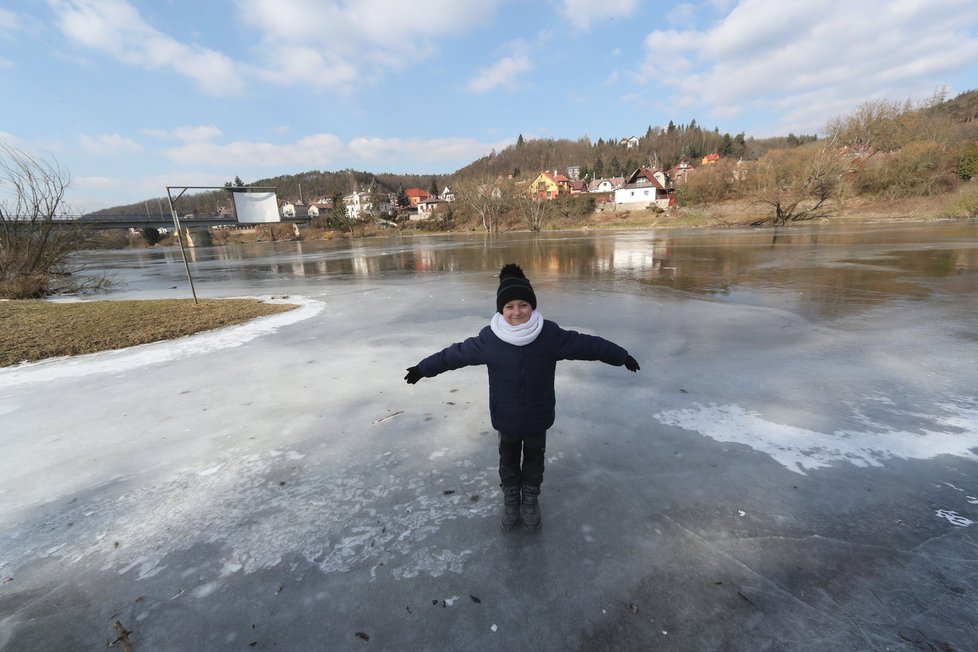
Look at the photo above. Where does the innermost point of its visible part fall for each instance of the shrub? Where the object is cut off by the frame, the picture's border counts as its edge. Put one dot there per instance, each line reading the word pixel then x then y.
pixel 968 165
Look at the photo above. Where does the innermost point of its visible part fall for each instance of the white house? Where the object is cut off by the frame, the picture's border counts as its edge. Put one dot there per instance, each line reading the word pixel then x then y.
pixel 642 188
pixel 288 209
pixel 447 194
pixel 427 208
pixel 361 204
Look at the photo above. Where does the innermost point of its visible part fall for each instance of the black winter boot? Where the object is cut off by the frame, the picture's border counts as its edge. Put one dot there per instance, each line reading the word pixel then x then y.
pixel 510 514
pixel 530 507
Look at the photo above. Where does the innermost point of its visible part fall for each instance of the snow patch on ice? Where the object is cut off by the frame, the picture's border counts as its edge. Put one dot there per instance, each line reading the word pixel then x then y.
pixel 110 362
pixel 801 450
pixel 954 518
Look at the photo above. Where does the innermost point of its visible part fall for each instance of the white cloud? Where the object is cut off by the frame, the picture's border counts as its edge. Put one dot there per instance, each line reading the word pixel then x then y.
pixel 8 20
pixel 504 72
pixel 339 44
pixel 683 14
pixel 378 150
pixel 584 13
pixel 116 28
pixel 810 56
pixel 84 183
pixel 320 150
pixel 108 144
pixel 327 150
pixel 189 134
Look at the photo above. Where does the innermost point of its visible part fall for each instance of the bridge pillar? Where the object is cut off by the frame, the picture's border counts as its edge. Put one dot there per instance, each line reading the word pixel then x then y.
pixel 196 237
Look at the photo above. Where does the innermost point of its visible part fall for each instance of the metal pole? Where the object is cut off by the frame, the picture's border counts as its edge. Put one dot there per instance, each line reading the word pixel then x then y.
pixel 176 225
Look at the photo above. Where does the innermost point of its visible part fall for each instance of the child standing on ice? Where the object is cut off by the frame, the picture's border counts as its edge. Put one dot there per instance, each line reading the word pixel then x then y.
pixel 521 350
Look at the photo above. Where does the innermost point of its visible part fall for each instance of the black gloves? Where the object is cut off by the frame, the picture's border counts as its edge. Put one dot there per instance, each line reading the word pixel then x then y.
pixel 630 363
pixel 414 375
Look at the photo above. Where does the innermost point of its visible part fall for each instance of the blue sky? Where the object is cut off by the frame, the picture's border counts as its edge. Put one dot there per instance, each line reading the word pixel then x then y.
pixel 133 95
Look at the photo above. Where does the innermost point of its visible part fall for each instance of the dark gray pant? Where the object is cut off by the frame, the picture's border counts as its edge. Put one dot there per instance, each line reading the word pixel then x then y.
pixel 521 459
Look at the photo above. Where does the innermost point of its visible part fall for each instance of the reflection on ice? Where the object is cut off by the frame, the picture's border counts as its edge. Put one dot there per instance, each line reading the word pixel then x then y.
pixel 821 271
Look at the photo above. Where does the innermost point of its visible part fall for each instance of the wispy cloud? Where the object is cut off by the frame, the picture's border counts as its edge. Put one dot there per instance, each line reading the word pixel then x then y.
pixel 116 28
pixel 682 15
pixel 108 144
pixel 504 73
pixel 187 133
pixel 9 21
pixel 325 150
pixel 585 13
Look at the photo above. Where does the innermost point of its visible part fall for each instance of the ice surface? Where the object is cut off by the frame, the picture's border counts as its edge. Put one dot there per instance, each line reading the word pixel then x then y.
pixel 773 476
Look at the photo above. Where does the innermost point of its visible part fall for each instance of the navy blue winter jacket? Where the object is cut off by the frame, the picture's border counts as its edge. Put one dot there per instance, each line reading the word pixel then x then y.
pixel 521 378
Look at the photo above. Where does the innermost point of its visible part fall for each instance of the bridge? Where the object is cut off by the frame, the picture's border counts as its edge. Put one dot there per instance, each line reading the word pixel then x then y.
pixel 106 222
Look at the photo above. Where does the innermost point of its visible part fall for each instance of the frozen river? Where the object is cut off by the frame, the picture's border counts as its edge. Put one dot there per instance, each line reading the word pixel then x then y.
pixel 795 467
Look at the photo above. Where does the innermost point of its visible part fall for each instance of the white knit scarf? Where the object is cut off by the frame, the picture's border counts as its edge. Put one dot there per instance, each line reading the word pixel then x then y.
pixel 521 334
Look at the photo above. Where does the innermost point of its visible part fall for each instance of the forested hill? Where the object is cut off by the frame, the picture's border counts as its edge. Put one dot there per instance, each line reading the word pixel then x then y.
pixel 662 147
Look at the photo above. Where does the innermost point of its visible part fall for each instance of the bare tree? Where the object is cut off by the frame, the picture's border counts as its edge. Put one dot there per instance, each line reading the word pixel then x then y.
pixel 534 211
pixel 795 184
pixel 37 238
pixel 486 197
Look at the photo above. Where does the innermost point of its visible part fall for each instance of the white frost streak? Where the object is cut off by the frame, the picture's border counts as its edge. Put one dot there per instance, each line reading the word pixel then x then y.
pixel 146 354
pixel 800 449
pixel 337 521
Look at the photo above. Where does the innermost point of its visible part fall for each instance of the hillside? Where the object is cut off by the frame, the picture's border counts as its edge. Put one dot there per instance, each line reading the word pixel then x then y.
pixel 662 147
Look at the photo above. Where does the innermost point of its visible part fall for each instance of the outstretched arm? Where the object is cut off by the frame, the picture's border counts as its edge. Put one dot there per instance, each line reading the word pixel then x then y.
pixel 578 346
pixel 461 354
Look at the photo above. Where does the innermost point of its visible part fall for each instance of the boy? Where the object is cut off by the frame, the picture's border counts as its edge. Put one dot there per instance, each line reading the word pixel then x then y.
pixel 521 350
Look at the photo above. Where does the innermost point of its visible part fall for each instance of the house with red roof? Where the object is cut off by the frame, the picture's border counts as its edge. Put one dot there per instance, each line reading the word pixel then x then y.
pixel 549 185
pixel 416 195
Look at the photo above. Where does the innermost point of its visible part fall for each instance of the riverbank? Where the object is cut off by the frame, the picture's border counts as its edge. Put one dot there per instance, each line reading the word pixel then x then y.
pixel 36 330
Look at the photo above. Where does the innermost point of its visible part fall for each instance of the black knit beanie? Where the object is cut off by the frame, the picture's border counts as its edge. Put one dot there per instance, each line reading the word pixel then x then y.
pixel 514 285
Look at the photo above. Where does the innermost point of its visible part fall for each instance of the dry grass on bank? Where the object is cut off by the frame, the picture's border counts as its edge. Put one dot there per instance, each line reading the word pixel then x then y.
pixel 35 330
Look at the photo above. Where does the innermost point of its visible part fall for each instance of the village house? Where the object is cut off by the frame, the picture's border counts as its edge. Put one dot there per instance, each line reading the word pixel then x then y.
pixel 606 185
pixel 680 173
pixel 429 208
pixel 361 204
pixel 320 206
pixel 447 194
pixel 643 188
pixel 629 143
pixel 710 159
pixel 416 195
pixel 549 185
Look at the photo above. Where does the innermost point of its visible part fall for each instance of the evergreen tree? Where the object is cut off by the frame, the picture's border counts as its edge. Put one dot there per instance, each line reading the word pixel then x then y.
pixel 726 146
pixel 520 141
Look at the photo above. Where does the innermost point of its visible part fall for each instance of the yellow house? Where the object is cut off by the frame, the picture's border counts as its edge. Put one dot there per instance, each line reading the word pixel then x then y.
pixel 548 185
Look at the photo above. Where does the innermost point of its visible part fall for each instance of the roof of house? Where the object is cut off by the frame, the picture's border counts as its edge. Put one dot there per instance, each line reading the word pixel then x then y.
pixel 643 178
pixel 614 181
pixel 417 192
pixel 556 177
